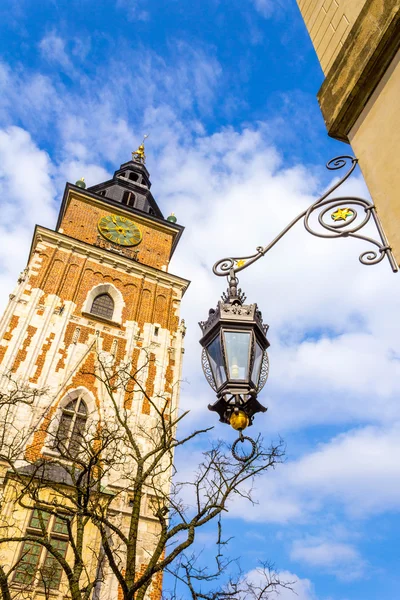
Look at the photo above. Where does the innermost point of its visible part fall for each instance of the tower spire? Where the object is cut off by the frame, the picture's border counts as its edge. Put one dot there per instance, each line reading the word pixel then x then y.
pixel 139 155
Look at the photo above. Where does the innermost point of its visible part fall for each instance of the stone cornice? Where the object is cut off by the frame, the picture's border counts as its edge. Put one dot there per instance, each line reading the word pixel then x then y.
pixel 105 257
pixel 358 68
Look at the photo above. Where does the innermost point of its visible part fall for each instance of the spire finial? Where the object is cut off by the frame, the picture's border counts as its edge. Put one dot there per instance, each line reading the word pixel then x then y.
pixel 139 155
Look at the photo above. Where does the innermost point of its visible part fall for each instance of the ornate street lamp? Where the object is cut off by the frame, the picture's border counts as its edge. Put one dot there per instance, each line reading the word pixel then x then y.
pixel 234 357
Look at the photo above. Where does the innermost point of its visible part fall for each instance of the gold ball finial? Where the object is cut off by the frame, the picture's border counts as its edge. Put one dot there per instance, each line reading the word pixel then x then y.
pixel 239 420
pixel 81 183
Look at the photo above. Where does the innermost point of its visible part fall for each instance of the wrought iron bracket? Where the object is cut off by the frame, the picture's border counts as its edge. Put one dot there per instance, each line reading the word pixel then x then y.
pixel 345 222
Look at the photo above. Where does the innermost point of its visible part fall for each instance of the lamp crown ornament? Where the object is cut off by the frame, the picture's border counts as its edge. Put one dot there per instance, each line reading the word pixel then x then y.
pixel 233 294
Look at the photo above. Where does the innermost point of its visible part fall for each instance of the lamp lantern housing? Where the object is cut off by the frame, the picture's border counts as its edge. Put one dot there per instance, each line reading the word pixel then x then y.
pixel 234 357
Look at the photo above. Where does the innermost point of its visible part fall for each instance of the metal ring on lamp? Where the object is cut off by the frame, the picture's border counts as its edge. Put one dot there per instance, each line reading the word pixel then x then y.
pixel 242 438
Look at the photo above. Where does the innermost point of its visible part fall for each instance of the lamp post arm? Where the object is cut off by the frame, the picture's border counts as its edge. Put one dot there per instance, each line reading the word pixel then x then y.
pixel 346 223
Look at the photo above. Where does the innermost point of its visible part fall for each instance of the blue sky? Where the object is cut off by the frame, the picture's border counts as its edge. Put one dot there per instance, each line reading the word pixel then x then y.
pixel 237 147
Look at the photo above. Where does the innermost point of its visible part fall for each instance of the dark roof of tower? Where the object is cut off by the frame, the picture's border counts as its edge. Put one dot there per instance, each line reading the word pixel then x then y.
pixel 130 186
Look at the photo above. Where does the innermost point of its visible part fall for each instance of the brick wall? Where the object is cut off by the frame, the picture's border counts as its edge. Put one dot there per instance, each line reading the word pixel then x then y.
pixel 81 219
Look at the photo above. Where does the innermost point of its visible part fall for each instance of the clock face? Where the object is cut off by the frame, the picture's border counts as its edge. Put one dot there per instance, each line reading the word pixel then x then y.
pixel 120 230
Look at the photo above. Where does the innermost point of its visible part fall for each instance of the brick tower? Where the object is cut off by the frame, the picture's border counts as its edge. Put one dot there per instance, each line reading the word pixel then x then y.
pixel 98 282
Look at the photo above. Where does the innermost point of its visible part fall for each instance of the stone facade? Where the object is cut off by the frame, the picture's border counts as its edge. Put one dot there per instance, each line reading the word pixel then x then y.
pixel 48 336
pixel 358 46
pixel 329 22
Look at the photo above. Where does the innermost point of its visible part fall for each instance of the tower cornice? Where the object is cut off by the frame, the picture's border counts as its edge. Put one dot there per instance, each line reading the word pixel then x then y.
pixel 106 257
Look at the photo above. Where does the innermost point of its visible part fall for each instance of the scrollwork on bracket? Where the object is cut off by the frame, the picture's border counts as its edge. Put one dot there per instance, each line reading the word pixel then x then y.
pixel 264 372
pixel 346 222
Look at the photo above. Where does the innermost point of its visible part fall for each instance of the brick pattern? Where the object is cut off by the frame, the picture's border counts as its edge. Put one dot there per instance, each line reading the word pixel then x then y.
pixel 86 377
pixel 34 450
pixel 151 376
pixel 169 379
pixel 139 305
pixel 42 358
pixel 23 352
pixel 8 335
pixel 42 260
pixel 129 391
pixel 67 341
pixel 169 374
pixel 155 586
pixel 81 219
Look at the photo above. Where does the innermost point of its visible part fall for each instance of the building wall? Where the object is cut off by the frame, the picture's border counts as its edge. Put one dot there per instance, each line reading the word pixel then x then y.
pixel 375 139
pixel 80 222
pixel 357 43
pixel 329 22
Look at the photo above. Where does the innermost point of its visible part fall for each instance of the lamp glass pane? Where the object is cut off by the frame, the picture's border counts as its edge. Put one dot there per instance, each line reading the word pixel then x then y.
pixel 216 361
pixel 258 355
pixel 237 344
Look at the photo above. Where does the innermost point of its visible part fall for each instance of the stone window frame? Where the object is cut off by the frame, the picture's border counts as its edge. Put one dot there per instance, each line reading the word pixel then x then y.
pixel 111 290
pixel 78 392
pixel 42 558
pixel 72 426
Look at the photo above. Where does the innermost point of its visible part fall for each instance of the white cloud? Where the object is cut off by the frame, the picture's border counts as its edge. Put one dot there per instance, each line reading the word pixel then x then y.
pixel 264 7
pixel 133 10
pixel 302 589
pixel 53 50
pixel 358 469
pixel 99 112
pixel 357 473
pixel 27 196
pixel 341 559
pixel 267 8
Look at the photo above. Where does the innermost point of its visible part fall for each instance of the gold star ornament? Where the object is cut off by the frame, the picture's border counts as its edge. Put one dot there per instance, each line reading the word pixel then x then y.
pixel 341 214
pixel 240 263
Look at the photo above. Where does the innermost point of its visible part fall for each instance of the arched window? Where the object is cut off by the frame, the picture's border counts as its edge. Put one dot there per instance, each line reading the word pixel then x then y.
pixel 103 306
pixel 72 427
pixel 133 176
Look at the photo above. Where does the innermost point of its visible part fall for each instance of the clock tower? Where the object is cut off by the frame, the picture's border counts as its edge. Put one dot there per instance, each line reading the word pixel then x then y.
pixel 99 280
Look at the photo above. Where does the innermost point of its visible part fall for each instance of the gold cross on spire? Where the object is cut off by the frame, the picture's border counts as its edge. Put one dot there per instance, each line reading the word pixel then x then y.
pixel 139 154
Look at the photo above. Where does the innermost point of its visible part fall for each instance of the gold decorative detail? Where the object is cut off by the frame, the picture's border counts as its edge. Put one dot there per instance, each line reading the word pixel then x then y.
pixel 139 154
pixel 240 263
pixel 119 230
pixel 239 420
pixel 341 214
